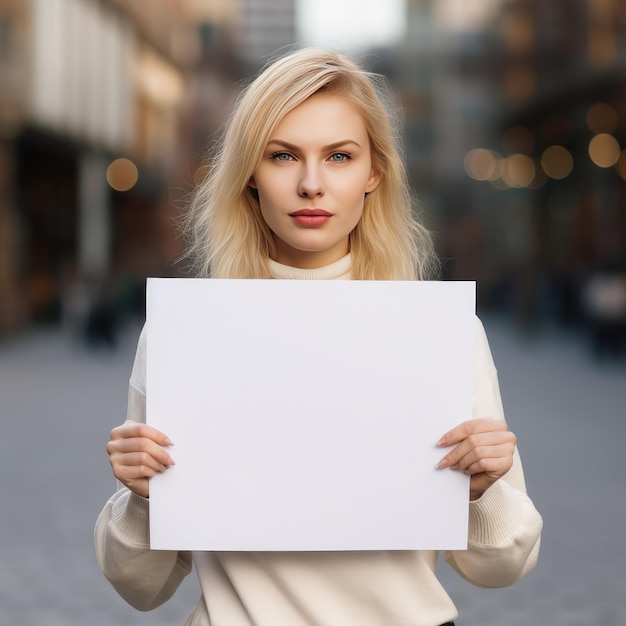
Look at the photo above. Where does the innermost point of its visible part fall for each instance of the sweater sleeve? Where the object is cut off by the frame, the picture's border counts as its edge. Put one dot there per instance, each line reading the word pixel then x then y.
pixel 504 525
pixel 145 578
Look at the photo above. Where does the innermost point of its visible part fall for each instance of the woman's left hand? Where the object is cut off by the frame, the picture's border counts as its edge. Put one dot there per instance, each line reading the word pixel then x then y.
pixel 483 449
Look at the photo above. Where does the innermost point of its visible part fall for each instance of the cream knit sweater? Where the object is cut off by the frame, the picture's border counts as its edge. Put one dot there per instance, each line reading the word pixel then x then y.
pixel 328 588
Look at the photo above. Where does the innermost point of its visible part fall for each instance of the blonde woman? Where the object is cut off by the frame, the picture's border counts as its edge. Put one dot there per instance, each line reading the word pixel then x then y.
pixel 308 183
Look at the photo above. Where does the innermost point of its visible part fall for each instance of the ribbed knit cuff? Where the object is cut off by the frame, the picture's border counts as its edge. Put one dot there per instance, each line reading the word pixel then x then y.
pixel 131 517
pixel 495 517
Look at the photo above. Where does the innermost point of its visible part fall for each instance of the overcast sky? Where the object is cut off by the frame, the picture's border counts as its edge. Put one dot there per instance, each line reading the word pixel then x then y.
pixel 349 25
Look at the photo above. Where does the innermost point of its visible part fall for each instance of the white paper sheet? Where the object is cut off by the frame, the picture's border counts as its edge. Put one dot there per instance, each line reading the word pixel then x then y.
pixel 305 414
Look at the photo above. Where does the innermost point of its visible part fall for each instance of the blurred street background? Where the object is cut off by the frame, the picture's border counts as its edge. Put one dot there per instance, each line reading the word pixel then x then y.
pixel 514 133
pixel 60 401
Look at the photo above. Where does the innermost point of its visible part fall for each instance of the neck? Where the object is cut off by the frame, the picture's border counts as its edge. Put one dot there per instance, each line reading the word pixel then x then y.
pixel 339 270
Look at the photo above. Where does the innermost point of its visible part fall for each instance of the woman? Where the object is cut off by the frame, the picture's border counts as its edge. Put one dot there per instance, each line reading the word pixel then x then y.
pixel 308 183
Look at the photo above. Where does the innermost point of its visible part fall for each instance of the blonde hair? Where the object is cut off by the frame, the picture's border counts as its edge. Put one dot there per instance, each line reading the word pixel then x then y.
pixel 230 239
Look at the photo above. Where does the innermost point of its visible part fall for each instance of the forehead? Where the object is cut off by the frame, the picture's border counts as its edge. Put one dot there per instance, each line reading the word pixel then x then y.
pixel 322 116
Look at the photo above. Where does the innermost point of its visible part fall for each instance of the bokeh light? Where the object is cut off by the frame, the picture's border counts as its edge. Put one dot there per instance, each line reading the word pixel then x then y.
pixel 518 170
pixel 122 174
pixel 481 164
pixel 604 150
pixel 557 162
pixel 201 173
pixel 602 118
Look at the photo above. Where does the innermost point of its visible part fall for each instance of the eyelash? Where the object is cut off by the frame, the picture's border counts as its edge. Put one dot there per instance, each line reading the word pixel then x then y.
pixel 276 156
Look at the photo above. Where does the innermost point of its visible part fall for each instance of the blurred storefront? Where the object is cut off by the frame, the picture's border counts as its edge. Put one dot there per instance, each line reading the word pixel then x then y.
pixel 107 108
pixel 563 69
pixel 92 94
pixel 515 135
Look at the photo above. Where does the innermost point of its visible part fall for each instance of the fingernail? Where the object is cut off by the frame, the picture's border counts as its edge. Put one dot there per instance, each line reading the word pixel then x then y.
pixel 443 464
pixel 442 442
pixel 168 441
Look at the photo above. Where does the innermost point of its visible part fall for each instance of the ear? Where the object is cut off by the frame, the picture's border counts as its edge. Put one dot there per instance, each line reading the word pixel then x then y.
pixel 252 182
pixel 373 181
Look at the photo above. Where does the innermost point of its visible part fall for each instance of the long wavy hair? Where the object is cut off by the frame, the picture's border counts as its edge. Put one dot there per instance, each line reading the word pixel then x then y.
pixel 228 236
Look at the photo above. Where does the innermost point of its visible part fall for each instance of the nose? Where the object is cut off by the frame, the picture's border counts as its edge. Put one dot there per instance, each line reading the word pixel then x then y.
pixel 310 184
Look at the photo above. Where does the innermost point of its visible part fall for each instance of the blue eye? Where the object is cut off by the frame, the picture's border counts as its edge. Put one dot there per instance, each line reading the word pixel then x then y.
pixel 281 156
pixel 339 157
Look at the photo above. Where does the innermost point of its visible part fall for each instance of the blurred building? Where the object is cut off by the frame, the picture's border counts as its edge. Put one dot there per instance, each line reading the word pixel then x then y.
pixel 515 134
pixel 82 84
pixel 250 32
pixel 514 137
pixel 443 78
pixel 263 28
pixel 236 38
pixel 562 135
pixel 107 108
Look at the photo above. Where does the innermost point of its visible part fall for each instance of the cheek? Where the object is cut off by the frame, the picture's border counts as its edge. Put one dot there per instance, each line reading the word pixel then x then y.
pixel 270 205
pixel 358 189
pixel 271 188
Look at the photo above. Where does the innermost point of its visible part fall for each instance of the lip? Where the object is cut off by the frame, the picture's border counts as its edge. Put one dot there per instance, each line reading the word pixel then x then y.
pixel 311 212
pixel 311 217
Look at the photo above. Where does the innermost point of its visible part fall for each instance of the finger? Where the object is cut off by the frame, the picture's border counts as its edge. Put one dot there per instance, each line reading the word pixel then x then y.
pixel 476 446
pixel 146 462
pixel 481 446
pixel 131 429
pixel 471 427
pixel 498 463
pixel 133 473
pixel 139 444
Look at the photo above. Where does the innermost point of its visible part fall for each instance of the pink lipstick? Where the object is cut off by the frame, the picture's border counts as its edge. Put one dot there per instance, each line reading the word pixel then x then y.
pixel 311 217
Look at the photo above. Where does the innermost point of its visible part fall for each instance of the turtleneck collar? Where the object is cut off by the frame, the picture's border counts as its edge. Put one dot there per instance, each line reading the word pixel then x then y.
pixel 339 270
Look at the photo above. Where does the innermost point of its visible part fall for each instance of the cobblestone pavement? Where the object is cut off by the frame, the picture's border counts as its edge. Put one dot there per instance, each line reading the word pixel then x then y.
pixel 58 403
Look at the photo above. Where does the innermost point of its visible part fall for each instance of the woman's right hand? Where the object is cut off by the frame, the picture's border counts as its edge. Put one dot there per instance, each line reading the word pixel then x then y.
pixel 136 453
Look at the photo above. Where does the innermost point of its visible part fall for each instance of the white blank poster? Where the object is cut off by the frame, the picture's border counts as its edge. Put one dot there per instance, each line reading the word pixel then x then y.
pixel 305 414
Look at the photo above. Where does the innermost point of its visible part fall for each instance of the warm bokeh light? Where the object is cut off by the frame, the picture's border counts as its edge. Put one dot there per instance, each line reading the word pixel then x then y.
pixel 518 170
pixel 602 46
pixel 557 162
pixel 518 139
pixel 122 174
pixel 602 118
pixel 481 164
pixel 199 176
pixel 604 150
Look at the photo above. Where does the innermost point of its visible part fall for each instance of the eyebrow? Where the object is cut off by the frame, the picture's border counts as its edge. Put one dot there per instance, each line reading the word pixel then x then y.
pixel 331 146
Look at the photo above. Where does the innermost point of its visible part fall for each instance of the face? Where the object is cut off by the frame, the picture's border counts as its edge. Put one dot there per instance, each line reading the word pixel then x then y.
pixel 312 180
